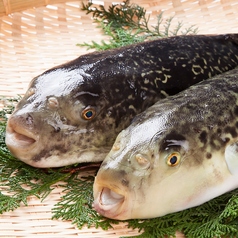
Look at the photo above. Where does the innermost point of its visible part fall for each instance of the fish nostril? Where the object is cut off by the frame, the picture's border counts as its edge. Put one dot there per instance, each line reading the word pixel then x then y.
pixel 53 103
pixel 142 161
pixel 125 182
pixel 57 129
pixel 116 147
pixel 30 92
pixel 29 120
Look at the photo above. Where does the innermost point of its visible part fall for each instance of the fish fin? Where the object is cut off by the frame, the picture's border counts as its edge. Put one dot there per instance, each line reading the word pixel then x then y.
pixel 231 158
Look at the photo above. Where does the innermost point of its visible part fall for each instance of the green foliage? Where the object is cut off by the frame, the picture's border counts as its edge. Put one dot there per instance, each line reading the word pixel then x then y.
pixel 216 218
pixel 18 180
pixel 119 15
pixel 8 106
pixel 76 205
pixel 118 38
pixel 124 24
pixel 127 24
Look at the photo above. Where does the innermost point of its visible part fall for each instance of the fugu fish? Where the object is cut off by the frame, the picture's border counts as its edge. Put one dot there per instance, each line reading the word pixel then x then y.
pixel 72 113
pixel 177 154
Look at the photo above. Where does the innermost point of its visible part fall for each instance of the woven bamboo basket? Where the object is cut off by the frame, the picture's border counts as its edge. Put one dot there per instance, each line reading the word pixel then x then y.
pixel 38 34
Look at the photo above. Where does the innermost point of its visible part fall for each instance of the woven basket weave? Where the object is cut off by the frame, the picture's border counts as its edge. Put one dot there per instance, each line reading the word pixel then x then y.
pixel 36 35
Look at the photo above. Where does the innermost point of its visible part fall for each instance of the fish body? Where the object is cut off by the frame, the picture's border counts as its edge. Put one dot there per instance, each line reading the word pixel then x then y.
pixel 177 154
pixel 72 113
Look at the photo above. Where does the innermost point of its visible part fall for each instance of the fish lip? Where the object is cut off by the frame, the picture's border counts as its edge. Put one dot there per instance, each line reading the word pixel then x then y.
pixel 107 192
pixel 102 202
pixel 19 137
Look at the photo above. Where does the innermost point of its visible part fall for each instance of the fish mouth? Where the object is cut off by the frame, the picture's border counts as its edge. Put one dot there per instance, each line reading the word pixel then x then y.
pixel 108 197
pixel 108 202
pixel 19 138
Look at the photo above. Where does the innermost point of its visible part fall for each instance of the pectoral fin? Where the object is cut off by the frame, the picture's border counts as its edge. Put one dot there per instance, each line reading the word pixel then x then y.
pixel 231 157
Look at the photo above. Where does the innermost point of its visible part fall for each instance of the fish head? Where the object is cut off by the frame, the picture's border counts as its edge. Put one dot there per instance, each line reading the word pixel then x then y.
pixel 61 120
pixel 152 172
pixel 118 186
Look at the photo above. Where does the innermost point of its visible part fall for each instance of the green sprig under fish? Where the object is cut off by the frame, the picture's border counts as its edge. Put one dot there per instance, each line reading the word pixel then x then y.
pixel 216 218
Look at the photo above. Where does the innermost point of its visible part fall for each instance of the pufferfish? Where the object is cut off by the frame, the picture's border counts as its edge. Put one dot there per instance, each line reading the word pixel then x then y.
pixel 177 154
pixel 72 113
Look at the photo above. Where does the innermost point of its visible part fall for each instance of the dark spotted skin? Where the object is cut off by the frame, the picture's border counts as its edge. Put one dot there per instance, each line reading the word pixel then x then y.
pixel 139 75
pixel 212 121
pixel 205 115
pixel 198 129
pixel 118 84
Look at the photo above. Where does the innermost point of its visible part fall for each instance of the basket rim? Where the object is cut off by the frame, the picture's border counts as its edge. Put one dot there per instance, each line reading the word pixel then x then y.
pixel 8 7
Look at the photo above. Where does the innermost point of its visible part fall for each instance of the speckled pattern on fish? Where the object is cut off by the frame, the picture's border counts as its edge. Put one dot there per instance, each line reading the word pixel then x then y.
pixel 73 112
pixel 179 153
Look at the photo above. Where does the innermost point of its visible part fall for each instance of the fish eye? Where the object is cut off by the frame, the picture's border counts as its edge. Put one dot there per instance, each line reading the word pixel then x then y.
pixel 88 113
pixel 173 159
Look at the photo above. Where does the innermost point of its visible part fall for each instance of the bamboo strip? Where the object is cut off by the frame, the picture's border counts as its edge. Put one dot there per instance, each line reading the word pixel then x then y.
pixel 45 34
pixel 10 6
